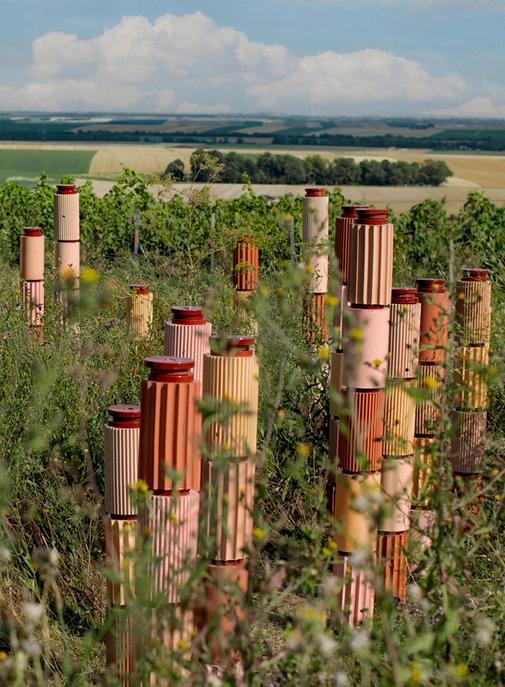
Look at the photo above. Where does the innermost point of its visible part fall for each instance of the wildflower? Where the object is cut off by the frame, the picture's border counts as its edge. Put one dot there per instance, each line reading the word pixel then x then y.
pixel 376 362
pixel 33 612
pixel 326 552
pixel 139 486
pixel 459 671
pixel 326 644
pixel 264 290
pixel 431 382
pixel 258 533
pixel 31 647
pixel 280 293
pixel 360 641
pixel 3 656
pixel 182 645
pixel 331 299
pixel 309 269
pixel 497 497
pixel 357 558
pixel 415 592
pixel 484 631
pixel 5 555
pixel 357 334
pixel 281 413
pixel 416 674
pixel 89 275
pixel 303 450
pixel 324 352
pixel 341 679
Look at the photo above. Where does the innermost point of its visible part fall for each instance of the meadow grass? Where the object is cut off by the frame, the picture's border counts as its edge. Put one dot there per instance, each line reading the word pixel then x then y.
pixel 24 163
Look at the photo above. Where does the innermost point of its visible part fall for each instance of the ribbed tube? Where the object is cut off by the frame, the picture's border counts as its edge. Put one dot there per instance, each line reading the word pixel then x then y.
pixel 121 649
pixel 234 382
pixel 67 259
pixel 31 258
pixel 314 308
pixel 470 375
pixel 405 321
pixel 399 418
pixel 318 265
pixel 473 311
pixel 171 524
pixel 467 449
pixel 333 447
pixel 170 429
pixel 245 266
pixel 121 468
pixel 434 329
pixel 422 524
pixel 336 379
pixel 428 411
pixel 179 628
pixel 355 511
pixel 356 596
pixel 120 541
pixel 338 312
pixel 139 313
pixel 371 265
pixel 360 433
pixel 227 505
pixel 391 550
pixel 66 217
pixel 188 341
pixel 396 485
pixel 423 470
pixel 315 220
pixel 343 228
pixel 366 342
pixel 33 302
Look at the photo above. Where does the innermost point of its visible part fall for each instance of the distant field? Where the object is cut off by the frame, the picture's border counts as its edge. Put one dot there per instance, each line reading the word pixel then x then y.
pixel 27 164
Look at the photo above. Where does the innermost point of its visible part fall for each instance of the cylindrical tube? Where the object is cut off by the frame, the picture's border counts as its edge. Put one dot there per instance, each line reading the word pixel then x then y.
pixel 33 302
pixel 139 310
pixel 391 550
pixel 314 310
pixel 473 307
pixel 366 341
pixel 424 486
pixel 405 321
pixel 66 213
pixel 428 411
pixel 470 375
pixel 120 541
pixel 356 595
pixel 121 458
pixel 399 418
pixel 336 379
pixel 434 331
pixel 343 230
pixel 396 485
pixel 67 259
pixel 315 216
pixel 31 255
pixel 245 266
pixel 355 511
pixel 360 432
pixel 187 336
pixel 467 448
pixel 121 648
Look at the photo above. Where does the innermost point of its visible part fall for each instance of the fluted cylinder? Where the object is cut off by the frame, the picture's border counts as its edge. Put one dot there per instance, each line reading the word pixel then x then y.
pixel 343 230
pixel 139 310
pixel 423 486
pixel 66 213
pixel 188 336
pixel 338 312
pixel 473 307
pixel 391 557
pixel 67 259
pixel 434 331
pixel 355 511
pixel 33 302
pixel 366 342
pixel 121 645
pixel 315 217
pixel 171 525
pixel 245 266
pixel 360 432
pixel 230 377
pixel 31 254
pixel 405 321
pixel 120 543
pixel 170 425
pixel 467 447
pixel 428 409
pixel 470 375
pixel 122 434
pixel 314 310
pixel 336 379
pixel 227 506
pixel 318 267
pixel 356 594
pixel 399 418
pixel 371 265
pixel 396 485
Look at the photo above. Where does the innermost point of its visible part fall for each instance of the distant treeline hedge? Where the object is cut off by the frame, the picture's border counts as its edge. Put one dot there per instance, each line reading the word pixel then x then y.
pixel 212 165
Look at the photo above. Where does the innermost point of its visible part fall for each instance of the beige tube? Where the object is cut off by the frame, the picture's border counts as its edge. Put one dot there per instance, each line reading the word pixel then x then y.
pixel 355 511
pixel 396 485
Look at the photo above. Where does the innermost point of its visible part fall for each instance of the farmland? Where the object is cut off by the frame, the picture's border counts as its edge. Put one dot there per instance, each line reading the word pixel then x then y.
pixel 25 163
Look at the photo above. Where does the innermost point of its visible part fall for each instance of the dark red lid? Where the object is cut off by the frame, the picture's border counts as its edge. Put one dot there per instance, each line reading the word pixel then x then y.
pixel 372 216
pixel 361 306
pixel 66 189
pixel 165 368
pixel 475 274
pixel 237 346
pixel 400 294
pixel 188 314
pixel 314 192
pixel 351 211
pixel 124 415
pixel 429 285
pixel 33 231
pixel 141 289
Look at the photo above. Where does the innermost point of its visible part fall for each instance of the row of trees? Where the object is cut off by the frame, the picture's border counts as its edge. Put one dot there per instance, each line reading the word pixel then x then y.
pixel 213 165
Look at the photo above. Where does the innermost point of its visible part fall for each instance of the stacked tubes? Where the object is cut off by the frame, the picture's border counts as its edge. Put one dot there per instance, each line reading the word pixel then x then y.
pixel 245 269
pixel 230 379
pixel 66 240
pixel 473 313
pixel 433 341
pixel 139 311
pixel 315 240
pixel 188 336
pixel 31 272
pixel 398 442
pixel 121 468
pixel 170 465
pixel 366 339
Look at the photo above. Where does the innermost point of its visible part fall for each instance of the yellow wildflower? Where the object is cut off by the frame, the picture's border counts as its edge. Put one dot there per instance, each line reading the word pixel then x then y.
pixel 89 275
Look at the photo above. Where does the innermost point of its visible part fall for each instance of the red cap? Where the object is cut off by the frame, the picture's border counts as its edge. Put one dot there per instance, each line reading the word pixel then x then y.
pixel 351 211
pixel 429 285
pixel 314 192
pixel 363 306
pixel 234 346
pixel 140 289
pixel 124 416
pixel 407 296
pixel 372 216
pixel 188 314
pixel 475 274
pixel 66 189
pixel 166 368
pixel 33 231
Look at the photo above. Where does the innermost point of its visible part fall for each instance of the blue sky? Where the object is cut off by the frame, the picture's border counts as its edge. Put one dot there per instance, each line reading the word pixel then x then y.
pixel 439 56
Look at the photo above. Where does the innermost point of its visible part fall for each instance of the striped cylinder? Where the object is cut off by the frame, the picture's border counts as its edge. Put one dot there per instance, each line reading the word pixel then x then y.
pixel 336 379
pixel 366 341
pixel 332 453
pixel 170 525
pixel 391 557
pixel 356 595
pixel 314 312
pixel 399 418
pixel 315 217
pixel 338 312
pixel 405 320
pixel 67 259
pixel 122 434
pixel 428 411
pixel 360 432
pixel 227 506
pixel 396 485
pixel 230 378
pixel 170 426
pixel 245 266
pixel 470 375
pixel 343 230
pixel 139 310
pixel 31 255
pixel 467 449
pixel 355 511
pixel 66 213
pixel 473 307
pixel 423 485
pixel 120 543
pixel 371 265
pixel 434 330
pixel 32 293
pixel 187 336
pixel 121 646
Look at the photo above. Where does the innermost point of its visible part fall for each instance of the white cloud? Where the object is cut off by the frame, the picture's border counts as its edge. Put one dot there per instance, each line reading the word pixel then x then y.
pixel 476 107
pixel 190 63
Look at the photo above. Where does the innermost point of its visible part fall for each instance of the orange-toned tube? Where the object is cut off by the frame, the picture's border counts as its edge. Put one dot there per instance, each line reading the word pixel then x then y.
pixel 314 309
pixel 336 379
pixel 122 434
pixel 470 375
pixel 405 322
pixel 245 266
pixel 473 306
pixel 355 511
pixel 467 446
pixel 31 255
pixel 399 418
pixel 66 213
pixel 360 433
pixel 423 485
pixel 396 485
pixel 120 542
pixel 188 336
pixel 139 310
pixel 67 259
pixel 428 410
pixel 343 230
pixel 121 646
pixel 366 357
pixel 356 595
pixel 435 306
pixel 33 302
pixel 391 556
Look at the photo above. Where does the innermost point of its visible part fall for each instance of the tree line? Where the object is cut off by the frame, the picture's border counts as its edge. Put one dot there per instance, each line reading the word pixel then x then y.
pixel 267 168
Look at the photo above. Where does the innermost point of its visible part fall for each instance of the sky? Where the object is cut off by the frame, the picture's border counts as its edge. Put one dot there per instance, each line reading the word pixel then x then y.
pixel 307 57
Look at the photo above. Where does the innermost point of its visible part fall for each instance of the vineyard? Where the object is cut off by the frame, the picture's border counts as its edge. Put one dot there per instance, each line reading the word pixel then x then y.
pixel 313 582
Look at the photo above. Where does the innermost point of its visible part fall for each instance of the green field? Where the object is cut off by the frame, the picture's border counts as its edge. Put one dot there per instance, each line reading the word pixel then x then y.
pixel 29 164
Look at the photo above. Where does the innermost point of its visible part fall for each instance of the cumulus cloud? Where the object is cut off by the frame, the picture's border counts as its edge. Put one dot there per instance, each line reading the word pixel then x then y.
pixel 476 107
pixel 190 63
